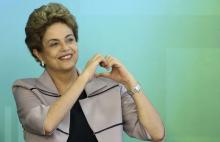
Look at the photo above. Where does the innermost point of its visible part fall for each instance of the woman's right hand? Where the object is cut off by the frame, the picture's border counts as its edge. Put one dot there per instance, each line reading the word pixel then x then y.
pixel 58 110
pixel 90 68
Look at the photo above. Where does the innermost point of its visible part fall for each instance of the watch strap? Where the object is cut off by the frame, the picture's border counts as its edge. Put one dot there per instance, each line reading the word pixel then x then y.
pixel 135 89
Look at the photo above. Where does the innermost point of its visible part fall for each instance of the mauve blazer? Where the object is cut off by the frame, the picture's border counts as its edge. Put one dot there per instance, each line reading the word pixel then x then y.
pixel 108 109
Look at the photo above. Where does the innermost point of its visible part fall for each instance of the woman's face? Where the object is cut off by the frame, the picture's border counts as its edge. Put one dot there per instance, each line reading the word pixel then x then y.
pixel 59 48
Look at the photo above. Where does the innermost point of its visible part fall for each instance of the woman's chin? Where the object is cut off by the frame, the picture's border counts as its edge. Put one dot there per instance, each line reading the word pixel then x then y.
pixel 62 66
pixel 68 67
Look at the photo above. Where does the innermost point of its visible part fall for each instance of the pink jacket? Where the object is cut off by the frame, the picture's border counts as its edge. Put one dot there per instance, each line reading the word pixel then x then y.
pixel 108 109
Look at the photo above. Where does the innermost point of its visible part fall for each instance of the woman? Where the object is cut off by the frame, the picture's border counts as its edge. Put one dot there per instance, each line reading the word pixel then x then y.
pixel 66 105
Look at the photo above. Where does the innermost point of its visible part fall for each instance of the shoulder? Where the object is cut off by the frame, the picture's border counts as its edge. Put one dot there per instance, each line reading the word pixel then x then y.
pixel 26 83
pixel 22 89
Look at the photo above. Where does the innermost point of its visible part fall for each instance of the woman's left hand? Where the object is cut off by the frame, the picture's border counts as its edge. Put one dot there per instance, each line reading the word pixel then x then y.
pixel 118 72
pixel 147 115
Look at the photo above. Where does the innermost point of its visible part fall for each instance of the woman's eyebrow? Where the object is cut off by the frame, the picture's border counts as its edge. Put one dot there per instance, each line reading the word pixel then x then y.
pixel 54 39
pixel 69 35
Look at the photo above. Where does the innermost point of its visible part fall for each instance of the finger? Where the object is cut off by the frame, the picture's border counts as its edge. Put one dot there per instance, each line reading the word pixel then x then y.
pixel 103 64
pixel 108 59
pixel 112 62
pixel 101 61
pixel 98 58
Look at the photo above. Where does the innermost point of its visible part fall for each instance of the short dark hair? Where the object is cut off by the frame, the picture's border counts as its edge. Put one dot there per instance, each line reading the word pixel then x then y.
pixel 40 19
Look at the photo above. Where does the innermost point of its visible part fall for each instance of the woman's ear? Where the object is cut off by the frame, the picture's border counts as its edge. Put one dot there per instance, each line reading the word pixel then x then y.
pixel 37 54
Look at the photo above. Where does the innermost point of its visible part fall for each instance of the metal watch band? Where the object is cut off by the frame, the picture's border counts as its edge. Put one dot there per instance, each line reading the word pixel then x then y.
pixel 135 90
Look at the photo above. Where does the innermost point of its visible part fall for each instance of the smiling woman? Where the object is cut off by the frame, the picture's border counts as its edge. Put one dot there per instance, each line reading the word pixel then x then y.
pixel 60 49
pixel 66 105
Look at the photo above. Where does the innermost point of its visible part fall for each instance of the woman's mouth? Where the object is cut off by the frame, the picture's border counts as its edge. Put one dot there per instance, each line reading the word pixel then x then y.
pixel 66 57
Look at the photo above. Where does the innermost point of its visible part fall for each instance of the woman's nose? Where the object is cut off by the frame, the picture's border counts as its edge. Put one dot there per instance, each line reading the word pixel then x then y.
pixel 64 46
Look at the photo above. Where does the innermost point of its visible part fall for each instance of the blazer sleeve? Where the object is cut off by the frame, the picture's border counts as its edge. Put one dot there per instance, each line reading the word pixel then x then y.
pixel 31 111
pixel 131 123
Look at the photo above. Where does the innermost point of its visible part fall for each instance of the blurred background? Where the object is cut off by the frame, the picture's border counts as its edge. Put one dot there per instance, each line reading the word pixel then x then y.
pixel 171 47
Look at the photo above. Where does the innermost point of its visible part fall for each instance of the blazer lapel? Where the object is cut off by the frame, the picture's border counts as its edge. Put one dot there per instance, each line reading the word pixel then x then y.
pixel 46 84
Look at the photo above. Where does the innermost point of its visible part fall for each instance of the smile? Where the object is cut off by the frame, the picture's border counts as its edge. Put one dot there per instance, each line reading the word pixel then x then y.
pixel 66 57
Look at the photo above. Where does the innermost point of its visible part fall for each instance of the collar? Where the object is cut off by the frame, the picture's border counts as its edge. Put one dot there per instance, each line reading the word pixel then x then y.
pixel 45 83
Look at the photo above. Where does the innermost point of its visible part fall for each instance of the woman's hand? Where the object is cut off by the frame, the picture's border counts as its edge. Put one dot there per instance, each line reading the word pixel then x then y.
pixel 90 68
pixel 118 73
pixel 147 114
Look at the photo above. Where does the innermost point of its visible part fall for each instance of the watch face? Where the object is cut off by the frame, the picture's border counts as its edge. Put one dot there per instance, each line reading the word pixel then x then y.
pixel 138 87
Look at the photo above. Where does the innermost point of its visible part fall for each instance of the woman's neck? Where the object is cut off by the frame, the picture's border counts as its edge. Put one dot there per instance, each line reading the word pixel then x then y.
pixel 63 80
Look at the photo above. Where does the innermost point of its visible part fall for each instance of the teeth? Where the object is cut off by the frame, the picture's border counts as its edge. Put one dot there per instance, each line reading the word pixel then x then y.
pixel 66 57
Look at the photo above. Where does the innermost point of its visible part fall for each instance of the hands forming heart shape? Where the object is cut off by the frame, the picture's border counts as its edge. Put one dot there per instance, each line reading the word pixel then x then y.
pixel 118 71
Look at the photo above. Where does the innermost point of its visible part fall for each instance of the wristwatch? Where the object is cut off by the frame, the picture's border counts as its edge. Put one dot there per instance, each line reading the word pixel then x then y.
pixel 135 90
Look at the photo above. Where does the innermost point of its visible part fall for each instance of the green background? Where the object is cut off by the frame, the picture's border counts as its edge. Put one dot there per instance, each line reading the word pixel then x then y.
pixel 170 46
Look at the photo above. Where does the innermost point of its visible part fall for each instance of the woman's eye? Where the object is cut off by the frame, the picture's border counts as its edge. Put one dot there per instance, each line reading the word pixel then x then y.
pixel 54 44
pixel 70 40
